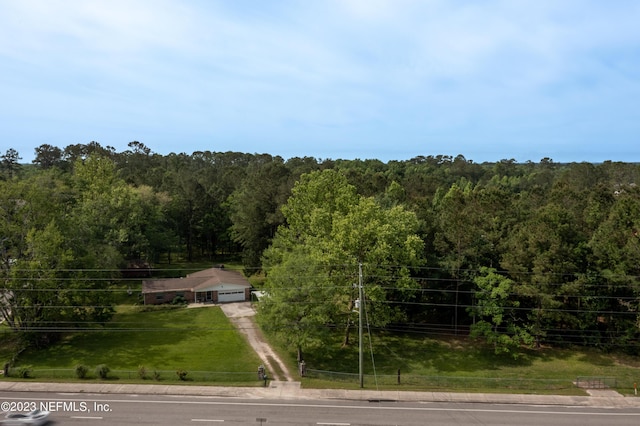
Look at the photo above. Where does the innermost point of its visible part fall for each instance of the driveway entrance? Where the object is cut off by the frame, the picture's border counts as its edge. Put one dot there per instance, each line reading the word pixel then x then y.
pixel 241 315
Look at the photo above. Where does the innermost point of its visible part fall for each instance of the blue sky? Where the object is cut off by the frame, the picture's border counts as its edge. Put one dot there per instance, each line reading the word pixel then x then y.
pixel 388 80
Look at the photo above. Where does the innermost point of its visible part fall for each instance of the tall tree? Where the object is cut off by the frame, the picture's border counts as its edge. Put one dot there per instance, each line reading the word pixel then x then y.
pixel 47 156
pixel 10 163
pixel 43 298
pixel 107 215
pixel 40 249
pixel 497 320
pixel 255 209
pixel 298 304
pixel 74 152
pixel 616 248
pixel 544 258
pixel 335 229
pixel 456 240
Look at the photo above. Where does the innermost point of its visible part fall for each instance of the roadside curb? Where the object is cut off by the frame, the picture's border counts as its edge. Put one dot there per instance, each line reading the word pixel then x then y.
pixel 293 391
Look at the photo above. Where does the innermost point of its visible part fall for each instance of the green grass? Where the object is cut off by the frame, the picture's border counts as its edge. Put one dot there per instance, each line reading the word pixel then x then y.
pixel 462 364
pixel 9 343
pixel 203 340
pixel 199 339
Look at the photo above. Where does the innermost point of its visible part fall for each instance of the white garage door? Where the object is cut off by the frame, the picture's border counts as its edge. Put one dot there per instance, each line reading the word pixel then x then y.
pixel 231 296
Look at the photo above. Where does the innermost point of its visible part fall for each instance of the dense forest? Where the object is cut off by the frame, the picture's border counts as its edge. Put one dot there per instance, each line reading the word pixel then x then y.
pixel 537 252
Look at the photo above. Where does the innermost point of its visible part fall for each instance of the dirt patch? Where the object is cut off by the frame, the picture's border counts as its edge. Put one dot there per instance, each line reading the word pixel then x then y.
pixel 242 316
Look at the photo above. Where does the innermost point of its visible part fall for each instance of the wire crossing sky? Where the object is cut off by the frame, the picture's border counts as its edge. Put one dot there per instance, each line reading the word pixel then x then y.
pixel 368 79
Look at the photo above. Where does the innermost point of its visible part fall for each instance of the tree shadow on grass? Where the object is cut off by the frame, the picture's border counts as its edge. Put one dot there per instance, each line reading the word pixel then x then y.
pixel 419 354
pixel 458 354
pixel 597 358
pixel 130 339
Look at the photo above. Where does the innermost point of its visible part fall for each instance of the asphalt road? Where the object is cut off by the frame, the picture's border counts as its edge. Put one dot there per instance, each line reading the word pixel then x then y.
pixel 109 409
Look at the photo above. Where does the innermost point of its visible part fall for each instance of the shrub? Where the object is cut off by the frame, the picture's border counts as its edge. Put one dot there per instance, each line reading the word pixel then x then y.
pixel 102 371
pixel 81 371
pixel 156 308
pixel 142 372
pixel 156 375
pixel 24 372
pixel 179 300
pixel 182 374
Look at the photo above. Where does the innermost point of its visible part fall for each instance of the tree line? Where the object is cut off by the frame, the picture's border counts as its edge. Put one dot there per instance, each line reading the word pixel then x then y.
pixel 516 253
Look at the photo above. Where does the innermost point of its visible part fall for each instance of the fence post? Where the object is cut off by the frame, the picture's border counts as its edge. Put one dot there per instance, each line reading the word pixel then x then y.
pixel 398 376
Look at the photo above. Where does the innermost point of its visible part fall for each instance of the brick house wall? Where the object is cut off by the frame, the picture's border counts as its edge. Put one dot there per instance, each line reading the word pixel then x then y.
pixel 159 298
pixel 167 297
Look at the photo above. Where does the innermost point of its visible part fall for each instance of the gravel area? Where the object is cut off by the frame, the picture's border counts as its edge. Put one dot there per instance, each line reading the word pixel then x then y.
pixel 241 314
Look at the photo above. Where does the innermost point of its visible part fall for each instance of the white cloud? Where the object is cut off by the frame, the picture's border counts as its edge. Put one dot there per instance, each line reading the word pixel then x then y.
pixel 360 68
pixel 114 26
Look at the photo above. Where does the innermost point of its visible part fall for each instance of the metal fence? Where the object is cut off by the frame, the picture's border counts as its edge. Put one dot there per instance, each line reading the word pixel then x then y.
pixel 411 381
pixel 408 381
pixel 147 374
pixel 595 382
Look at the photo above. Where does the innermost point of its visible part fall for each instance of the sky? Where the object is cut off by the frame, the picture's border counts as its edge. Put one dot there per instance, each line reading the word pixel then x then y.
pixel 331 79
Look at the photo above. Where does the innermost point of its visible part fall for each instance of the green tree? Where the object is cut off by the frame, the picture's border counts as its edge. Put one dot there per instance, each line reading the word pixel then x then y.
pixel 332 228
pixel 41 295
pixel 544 257
pixel 497 321
pixel 115 221
pixel 10 163
pixel 73 153
pixel 456 240
pixel 26 204
pixel 297 308
pixel 616 249
pixel 386 243
pixel 45 299
pixel 47 156
pixel 151 225
pixel 102 213
pixel 255 209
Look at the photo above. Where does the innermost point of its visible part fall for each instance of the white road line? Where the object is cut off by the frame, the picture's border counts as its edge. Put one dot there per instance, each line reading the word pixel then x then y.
pixel 207 420
pixel 86 417
pixel 334 424
pixel 590 411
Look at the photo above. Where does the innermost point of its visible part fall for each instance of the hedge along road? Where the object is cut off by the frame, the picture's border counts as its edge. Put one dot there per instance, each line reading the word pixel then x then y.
pixel 241 316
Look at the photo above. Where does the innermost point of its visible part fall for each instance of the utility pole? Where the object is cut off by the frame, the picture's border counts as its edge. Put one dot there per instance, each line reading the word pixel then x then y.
pixel 361 297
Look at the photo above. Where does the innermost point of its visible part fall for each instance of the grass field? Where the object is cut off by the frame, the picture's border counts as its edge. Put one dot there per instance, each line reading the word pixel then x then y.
pixel 463 364
pixel 203 340
pixel 200 339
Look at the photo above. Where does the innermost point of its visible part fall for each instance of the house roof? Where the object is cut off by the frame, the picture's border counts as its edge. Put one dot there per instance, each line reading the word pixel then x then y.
pixel 198 280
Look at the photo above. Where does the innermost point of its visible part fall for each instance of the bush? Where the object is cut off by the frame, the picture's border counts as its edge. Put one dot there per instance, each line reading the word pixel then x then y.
pixel 81 371
pixel 24 372
pixel 182 374
pixel 179 300
pixel 156 375
pixel 156 308
pixel 142 372
pixel 102 371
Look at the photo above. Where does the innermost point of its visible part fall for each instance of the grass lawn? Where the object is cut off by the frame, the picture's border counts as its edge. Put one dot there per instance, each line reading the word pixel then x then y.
pixel 203 340
pixel 199 339
pixel 462 364
pixel 8 343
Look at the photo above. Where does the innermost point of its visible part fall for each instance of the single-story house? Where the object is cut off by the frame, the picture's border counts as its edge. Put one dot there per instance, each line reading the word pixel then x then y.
pixel 215 285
